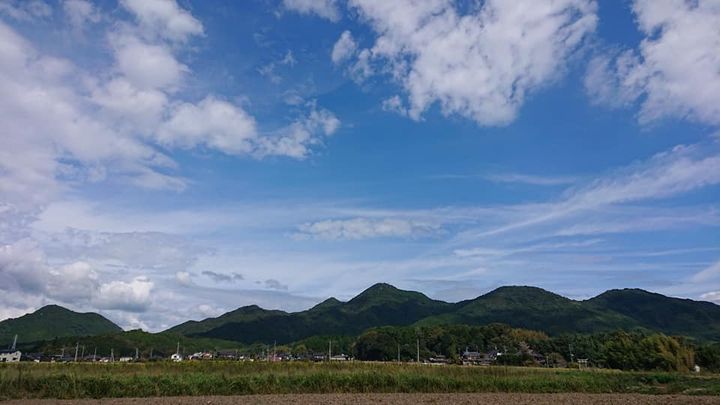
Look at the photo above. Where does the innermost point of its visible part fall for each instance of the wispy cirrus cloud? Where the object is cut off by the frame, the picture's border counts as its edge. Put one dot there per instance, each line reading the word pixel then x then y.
pixel 364 228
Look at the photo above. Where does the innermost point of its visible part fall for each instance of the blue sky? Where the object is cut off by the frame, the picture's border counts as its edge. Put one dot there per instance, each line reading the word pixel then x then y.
pixel 168 160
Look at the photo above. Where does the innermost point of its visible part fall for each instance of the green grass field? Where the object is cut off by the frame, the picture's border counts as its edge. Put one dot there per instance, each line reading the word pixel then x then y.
pixel 88 380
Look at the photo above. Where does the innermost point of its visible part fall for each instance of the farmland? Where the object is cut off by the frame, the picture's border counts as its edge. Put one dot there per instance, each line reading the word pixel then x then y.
pixel 93 380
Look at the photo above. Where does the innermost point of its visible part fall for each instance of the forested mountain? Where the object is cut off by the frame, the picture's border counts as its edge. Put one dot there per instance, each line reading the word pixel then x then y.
pixel 522 307
pixel 53 321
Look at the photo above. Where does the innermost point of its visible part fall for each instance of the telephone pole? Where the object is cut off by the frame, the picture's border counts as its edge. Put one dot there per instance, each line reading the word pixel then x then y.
pixel 329 350
pixel 77 346
pixel 417 345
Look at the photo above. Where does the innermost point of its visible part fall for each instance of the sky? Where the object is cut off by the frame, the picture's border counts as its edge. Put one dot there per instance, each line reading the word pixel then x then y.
pixel 166 160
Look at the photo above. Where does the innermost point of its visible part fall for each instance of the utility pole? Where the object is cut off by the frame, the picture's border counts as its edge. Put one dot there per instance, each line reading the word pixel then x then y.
pixel 151 353
pixel 95 354
pixel 82 353
pixel 137 354
pixel 14 344
pixel 329 350
pixel 112 355
pixel 77 346
pixel 417 345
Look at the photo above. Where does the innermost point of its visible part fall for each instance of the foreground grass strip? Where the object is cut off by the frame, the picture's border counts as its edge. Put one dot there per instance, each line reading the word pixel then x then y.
pixel 69 381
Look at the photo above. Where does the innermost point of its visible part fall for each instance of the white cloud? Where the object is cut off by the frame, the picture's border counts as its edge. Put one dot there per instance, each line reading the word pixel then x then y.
pixel 25 10
pixel 674 72
pixel 530 179
pixel 209 311
pixel 344 48
pixel 127 105
pixel 711 272
pixel 184 278
pixel 147 66
pixel 365 228
pixel 481 65
pixel 74 282
pixel 213 123
pixel 164 18
pixel 628 220
pixel 394 104
pixel 133 296
pixel 713 296
pixel 680 170
pixel 50 131
pixel 297 139
pixel 80 13
pixel 327 9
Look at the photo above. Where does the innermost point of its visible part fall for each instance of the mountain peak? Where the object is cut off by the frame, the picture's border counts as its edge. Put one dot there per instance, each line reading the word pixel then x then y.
pixel 328 303
pixel 381 288
pixel 53 321
pixel 523 293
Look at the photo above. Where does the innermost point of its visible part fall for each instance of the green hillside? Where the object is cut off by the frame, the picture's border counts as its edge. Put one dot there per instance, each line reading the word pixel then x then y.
pixel 517 306
pixel 536 309
pixel 53 321
pixel 242 315
pixel 381 304
pixel 654 311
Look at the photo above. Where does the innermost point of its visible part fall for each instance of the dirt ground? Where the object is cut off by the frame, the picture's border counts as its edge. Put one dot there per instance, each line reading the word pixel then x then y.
pixel 402 399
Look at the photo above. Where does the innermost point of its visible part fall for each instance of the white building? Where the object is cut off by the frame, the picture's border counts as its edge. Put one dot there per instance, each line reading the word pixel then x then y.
pixel 10 356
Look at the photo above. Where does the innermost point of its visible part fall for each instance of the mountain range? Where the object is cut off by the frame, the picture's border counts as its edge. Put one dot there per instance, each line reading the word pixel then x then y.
pixel 382 304
pixel 517 306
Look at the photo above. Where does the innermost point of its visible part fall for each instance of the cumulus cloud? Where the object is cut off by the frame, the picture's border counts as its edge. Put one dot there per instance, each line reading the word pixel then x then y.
pixel 674 71
pixel 48 128
pixel 226 127
pixel 344 48
pixel 327 9
pixel 147 66
pixel 164 18
pixel 480 65
pixel 24 269
pixel 133 296
pixel 64 124
pixel 213 123
pixel 365 228
pixel 184 278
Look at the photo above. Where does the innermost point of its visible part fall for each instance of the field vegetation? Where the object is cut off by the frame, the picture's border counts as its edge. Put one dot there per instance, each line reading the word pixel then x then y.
pixel 95 380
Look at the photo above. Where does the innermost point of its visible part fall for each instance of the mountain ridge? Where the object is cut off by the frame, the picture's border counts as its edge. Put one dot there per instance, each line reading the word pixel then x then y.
pixel 518 306
pixel 54 321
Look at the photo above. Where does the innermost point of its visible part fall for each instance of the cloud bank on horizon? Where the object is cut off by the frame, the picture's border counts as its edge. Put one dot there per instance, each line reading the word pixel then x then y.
pixel 163 160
